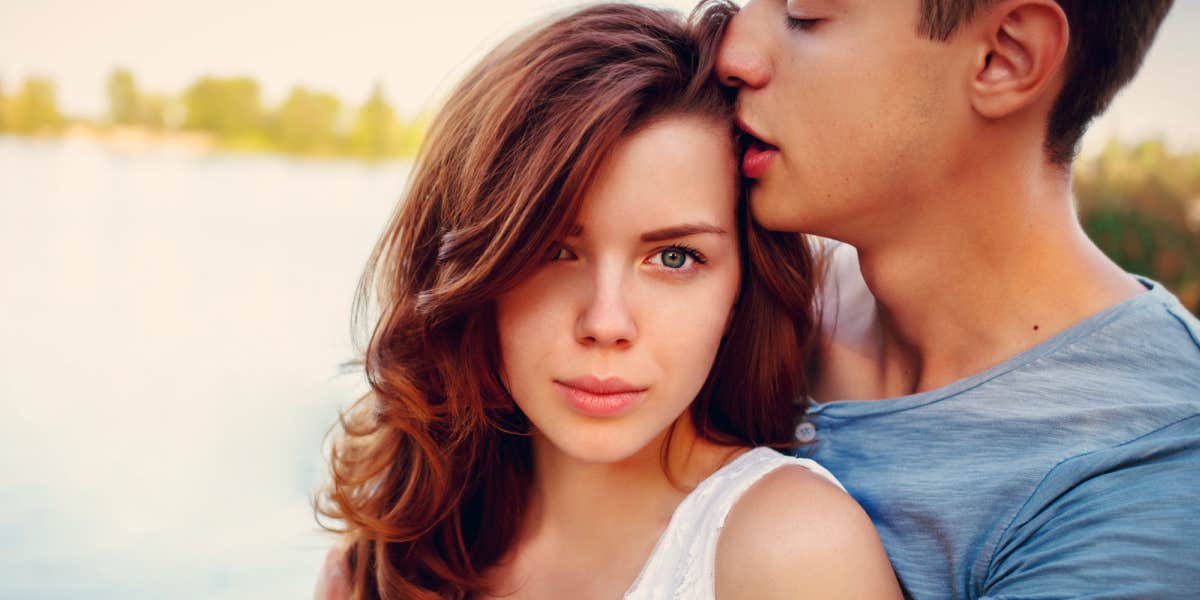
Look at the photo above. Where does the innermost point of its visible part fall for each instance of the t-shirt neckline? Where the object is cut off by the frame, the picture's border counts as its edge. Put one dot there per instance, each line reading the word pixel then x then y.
pixel 854 408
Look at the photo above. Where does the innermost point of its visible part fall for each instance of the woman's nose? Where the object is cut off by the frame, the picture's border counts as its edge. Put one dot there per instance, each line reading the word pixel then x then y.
pixel 606 319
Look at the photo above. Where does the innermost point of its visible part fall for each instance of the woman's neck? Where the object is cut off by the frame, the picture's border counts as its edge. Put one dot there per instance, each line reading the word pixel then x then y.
pixel 579 512
pixel 594 501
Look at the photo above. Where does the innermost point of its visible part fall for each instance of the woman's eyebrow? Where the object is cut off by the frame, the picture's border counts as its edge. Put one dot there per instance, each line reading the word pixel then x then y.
pixel 679 231
pixel 666 233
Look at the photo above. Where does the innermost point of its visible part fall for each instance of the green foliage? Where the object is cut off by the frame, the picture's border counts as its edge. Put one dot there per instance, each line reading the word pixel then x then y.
pixel 152 110
pixel 124 100
pixel 232 112
pixel 34 109
pixel 376 130
pixel 412 134
pixel 129 106
pixel 1141 205
pixel 231 109
pixel 306 123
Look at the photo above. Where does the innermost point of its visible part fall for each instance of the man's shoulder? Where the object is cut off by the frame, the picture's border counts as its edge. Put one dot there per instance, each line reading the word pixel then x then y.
pixel 1138 497
pixel 1159 318
pixel 1171 320
pixel 1145 349
pixel 1143 355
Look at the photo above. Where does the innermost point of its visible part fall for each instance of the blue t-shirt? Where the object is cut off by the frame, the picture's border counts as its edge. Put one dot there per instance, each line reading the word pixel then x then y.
pixel 1070 471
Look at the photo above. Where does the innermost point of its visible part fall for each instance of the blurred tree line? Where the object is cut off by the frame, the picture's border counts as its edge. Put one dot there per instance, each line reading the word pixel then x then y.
pixel 232 112
pixel 31 109
pixel 1140 203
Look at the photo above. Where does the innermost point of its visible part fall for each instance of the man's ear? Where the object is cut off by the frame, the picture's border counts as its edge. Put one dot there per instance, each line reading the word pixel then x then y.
pixel 1022 46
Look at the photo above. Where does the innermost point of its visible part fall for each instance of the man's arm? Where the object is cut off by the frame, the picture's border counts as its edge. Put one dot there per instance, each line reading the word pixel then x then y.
pixel 1118 523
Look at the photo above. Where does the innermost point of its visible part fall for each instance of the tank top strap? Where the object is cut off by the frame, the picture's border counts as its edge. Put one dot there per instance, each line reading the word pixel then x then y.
pixel 683 562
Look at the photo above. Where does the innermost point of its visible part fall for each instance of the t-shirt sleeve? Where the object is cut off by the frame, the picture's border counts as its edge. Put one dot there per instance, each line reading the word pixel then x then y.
pixel 1118 523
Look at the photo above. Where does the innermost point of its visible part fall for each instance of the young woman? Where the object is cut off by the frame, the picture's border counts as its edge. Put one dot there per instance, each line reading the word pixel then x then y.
pixel 585 351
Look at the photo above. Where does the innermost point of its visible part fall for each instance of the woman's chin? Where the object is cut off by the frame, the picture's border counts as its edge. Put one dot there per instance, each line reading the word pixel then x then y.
pixel 601 446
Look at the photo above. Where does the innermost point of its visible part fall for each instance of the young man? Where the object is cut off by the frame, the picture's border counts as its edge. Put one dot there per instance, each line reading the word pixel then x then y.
pixel 1019 416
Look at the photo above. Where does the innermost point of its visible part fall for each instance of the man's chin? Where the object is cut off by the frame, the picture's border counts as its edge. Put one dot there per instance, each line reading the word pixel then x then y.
pixel 777 211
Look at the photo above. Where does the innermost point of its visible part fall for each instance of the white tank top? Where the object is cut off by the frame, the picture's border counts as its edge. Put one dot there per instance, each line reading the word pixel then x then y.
pixel 683 562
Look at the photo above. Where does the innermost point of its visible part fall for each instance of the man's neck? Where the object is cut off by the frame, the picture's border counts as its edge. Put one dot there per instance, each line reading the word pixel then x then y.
pixel 962 290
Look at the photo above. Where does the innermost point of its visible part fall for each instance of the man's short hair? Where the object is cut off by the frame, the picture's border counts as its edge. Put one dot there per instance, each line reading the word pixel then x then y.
pixel 1109 39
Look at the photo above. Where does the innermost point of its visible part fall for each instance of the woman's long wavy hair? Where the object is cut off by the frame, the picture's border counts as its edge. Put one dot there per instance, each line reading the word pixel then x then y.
pixel 430 470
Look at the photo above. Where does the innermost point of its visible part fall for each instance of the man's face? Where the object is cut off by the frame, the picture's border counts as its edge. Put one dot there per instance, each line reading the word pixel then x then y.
pixel 857 108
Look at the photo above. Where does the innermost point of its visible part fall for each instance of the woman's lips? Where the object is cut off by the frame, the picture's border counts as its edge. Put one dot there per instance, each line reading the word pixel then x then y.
pixel 758 158
pixel 596 397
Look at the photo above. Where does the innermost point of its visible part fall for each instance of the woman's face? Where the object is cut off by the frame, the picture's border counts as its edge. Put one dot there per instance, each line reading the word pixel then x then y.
pixel 609 341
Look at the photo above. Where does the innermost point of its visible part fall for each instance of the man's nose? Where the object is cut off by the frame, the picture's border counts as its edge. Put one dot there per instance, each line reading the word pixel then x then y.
pixel 741 61
pixel 606 319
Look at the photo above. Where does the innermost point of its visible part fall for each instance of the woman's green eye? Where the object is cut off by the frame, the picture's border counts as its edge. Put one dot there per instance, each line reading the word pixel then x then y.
pixel 673 258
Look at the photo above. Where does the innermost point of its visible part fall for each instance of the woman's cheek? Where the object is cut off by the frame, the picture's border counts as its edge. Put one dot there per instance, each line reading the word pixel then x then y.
pixel 690 328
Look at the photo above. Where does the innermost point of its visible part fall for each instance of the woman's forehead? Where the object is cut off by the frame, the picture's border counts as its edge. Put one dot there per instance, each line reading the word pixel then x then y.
pixel 673 173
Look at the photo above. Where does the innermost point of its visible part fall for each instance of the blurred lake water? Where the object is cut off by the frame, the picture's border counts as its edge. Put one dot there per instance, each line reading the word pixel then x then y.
pixel 172 327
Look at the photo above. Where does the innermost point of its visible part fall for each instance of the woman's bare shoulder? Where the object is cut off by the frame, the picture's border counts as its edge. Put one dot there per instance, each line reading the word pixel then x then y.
pixel 333 582
pixel 795 531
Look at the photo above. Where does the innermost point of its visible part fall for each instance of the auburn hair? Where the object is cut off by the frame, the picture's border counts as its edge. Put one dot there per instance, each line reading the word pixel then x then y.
pixel 430 470
pixel 1109 40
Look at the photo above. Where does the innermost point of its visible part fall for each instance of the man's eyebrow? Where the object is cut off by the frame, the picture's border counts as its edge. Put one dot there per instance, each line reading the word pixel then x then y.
pixel 679 231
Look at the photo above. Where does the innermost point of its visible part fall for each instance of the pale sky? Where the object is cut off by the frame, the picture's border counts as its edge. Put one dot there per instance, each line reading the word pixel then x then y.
pixel 417 49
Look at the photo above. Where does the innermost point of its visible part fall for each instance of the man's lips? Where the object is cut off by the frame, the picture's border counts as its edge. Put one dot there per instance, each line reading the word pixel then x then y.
pixel 751 132
pixel 757 159
pixel 757 154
